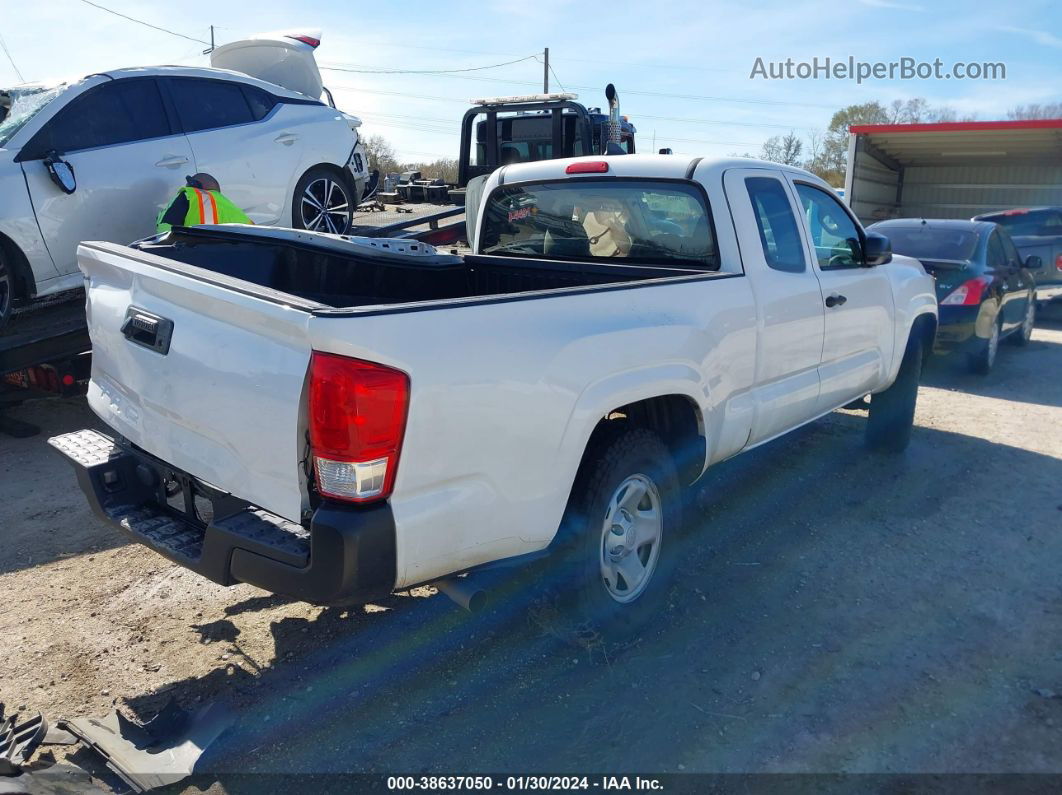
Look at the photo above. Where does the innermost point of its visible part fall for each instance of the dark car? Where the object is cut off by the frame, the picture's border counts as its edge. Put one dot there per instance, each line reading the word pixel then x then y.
pixel 985 290
pixel 1036 231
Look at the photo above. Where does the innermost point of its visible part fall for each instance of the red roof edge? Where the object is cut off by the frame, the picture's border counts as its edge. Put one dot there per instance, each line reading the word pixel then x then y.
pixel 959 126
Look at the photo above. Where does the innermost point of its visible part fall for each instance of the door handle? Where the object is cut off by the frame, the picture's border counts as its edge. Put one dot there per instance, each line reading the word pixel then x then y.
pixel 835 300
pixel 172 161
pixel 286 138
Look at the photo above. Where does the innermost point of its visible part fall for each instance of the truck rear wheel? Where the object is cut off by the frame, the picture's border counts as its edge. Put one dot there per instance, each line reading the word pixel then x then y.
pixel 892 411
pixel 621 525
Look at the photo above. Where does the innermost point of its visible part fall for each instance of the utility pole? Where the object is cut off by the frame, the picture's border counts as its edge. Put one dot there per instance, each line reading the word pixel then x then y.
pixel 545 71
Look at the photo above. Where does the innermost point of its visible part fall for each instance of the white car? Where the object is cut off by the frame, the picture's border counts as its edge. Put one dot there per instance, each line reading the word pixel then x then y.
pixel 100 157
pixel 382 415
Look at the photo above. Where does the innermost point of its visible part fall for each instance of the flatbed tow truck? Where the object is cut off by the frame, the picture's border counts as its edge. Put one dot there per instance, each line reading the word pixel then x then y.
pixel 45 351
pixel 499 131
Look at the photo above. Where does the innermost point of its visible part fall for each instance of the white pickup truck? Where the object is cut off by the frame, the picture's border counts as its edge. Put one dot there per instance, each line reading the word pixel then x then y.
pixel 335 419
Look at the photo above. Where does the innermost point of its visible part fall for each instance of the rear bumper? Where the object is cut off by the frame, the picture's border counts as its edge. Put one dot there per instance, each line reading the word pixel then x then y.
pixel 957 330
pixel 346 555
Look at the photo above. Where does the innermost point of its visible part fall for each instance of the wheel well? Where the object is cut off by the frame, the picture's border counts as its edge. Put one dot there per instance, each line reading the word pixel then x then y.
pixel 675 419
pixel 925 329
pixel 25 286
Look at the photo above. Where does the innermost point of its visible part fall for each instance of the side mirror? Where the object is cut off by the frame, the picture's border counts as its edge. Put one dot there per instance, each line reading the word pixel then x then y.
pixel 877 250
pixel 61 172
pixel 1033 262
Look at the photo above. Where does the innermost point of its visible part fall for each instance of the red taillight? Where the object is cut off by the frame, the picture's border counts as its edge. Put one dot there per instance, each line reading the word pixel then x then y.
pixel 1058 263
pixel 588 167
pixel 968 293
pixel 357 420
pixel 1020 211
pixel 315 43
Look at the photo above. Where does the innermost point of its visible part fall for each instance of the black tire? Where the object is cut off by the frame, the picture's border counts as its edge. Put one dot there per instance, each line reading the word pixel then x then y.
pixel 1023 336
pixel 7 291
pixel 622 459
pixel 323 187
pixel 892 411
pixel 984 359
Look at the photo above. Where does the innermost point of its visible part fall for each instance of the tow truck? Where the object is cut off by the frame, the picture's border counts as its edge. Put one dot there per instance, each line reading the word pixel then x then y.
pixel 45 351
pixel 502 131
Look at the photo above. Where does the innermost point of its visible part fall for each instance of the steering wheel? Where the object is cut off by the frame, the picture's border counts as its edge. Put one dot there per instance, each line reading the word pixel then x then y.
pixel 840 260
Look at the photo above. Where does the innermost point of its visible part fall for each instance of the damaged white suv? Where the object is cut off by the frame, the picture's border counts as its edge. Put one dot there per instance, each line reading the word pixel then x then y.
pixel 98 158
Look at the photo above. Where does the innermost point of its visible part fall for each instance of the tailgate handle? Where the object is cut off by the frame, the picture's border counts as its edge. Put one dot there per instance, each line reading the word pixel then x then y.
pixel 147 330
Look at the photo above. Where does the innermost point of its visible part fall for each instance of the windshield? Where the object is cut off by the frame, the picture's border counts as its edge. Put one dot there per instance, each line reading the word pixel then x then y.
pixel 923 242
pixel 19 105
pixel 1029 223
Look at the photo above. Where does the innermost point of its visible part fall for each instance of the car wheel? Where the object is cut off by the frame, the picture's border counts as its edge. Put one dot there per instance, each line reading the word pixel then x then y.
pixel 1028 323
pixel 323 202
pixel 984 360
pixel 621 526
pixel 892 412
pixel 7 292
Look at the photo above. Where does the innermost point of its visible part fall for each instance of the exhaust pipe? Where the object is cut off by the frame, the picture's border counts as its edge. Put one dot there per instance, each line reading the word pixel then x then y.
pixel 464 591
pixel 614 128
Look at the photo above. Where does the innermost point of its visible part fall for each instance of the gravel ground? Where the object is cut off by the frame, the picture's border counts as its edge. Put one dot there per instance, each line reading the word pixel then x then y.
pixel 836 612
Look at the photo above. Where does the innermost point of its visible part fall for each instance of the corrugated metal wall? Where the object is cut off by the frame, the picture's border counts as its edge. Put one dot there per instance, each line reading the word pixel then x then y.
pixel 873 189
pixel 964 191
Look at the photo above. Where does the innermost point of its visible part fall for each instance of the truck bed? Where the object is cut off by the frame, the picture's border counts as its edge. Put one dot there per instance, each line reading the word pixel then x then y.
pixel 342 274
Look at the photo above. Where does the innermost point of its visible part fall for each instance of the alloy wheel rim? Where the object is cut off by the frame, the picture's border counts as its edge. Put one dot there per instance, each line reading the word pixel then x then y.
pixel 631 535
pixel 325 206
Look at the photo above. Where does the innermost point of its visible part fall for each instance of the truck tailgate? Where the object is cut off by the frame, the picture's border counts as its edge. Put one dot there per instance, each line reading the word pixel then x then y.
pixel 203 371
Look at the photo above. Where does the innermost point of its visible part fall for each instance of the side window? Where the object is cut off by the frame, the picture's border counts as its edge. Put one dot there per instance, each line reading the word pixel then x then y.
pixel 1010 251
pixel 208 104
pixel 997 257
pixel 833 233
pixel 261 102
pixel 779 236
pixel 118 112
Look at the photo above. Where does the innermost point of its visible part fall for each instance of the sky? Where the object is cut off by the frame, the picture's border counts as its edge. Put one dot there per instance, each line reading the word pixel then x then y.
pixel 682 68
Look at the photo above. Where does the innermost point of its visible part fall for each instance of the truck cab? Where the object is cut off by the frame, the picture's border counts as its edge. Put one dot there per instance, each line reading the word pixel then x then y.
pixel 501 131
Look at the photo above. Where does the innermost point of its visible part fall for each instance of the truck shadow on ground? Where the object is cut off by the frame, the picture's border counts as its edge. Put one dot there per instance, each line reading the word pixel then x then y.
pixel 788 568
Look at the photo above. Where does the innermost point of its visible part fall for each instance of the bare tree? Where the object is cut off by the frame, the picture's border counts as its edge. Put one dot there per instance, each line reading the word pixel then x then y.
pixel 1048 110
pixel 381 154
pixel 785 149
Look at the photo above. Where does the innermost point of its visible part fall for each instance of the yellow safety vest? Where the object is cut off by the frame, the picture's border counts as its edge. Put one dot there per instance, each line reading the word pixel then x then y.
pixel 205 207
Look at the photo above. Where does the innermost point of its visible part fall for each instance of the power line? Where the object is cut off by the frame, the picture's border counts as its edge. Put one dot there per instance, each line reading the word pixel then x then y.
pixel 425 71
pixel 7 52
pixel 597 61
pixel 142 22
pixel 634 116
pixel 636 92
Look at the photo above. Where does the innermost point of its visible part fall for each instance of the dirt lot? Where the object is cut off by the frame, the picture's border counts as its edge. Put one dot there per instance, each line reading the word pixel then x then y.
pixel 837 611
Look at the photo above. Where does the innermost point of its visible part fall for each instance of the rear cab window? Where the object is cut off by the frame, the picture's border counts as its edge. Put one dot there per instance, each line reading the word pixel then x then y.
pixel 630 221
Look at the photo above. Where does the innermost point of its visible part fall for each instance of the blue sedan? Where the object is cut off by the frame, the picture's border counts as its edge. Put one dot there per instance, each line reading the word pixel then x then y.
pixel 985 289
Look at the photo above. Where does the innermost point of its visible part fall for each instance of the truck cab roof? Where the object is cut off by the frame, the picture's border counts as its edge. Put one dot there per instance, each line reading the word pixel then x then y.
pixel 644 166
